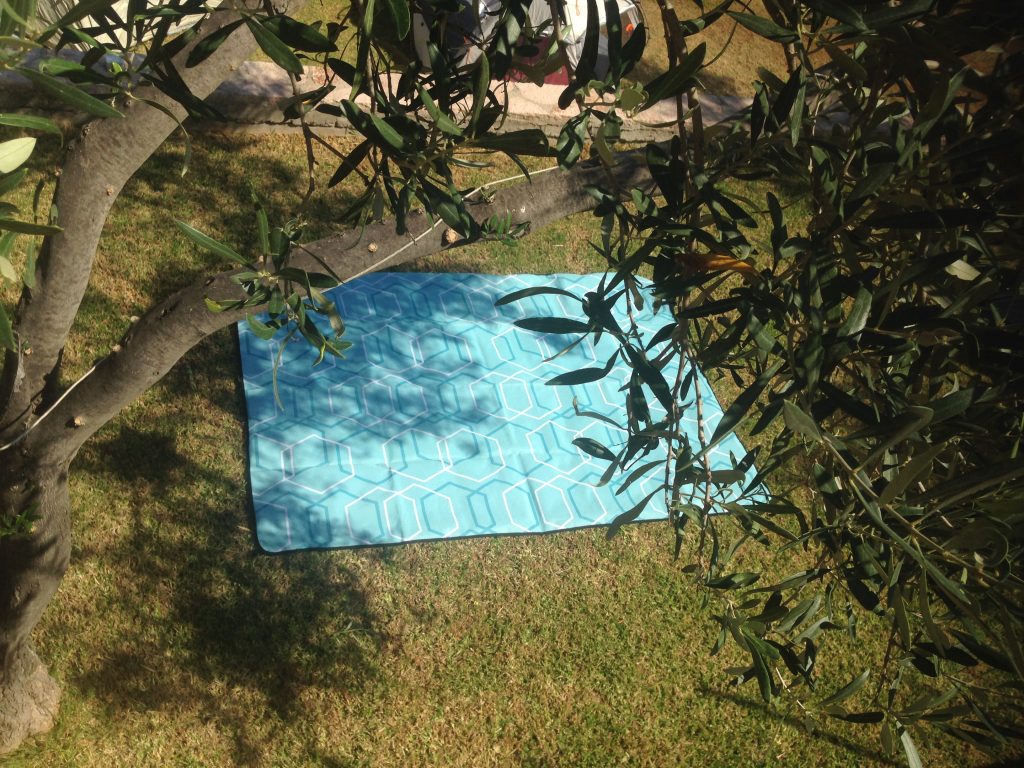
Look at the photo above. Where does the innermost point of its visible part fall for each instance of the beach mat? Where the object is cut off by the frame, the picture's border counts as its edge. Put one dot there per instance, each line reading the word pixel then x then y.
pixel 438 423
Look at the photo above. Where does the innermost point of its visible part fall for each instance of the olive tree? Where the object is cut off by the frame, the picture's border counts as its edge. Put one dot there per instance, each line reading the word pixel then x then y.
pixel 875 342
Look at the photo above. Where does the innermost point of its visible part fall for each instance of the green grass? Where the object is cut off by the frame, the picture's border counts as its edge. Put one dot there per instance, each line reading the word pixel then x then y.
pixel 178 644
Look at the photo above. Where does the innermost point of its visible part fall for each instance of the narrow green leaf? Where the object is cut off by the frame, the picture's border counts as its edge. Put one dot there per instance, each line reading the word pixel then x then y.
pixel 7 271
pixel 637 473
pixel 27 227
pixel 899 610
pixel 594 448
pixel 917 466
pixel 839 10
pixel 552 325
pixel 885 15
pixel 571 140
pixel 796 116
pixel 28 275
pixel 6 246
pixel 736 412
pixel 727 476
pixel 796 615
pixel 536 291
pixel 260 328
pixel 14 152
pixel 31 122
pixel 944 218
pixel 962 270
pixel 77 12
pixel 799 422
pixel 913 759
pixel 632 514
pixel 208 243
pixel 768 524
pixel 733 581
pixel 850 66
pixel 783 105
pixel 528 141
pixel 886 737
pixel 480 91
pixel 300 36
pixel 761 670
pixel 906 424
pixel 858 316
pixel 448 204
pixel 676 80
pixel 583 376
pixel 924 606
pixel 765 27
pixel 206 47
pixel 813 630
pixel 588 56
pixel 350 162
pixel 386 132
pixel 847 690
pixel 399 10
pixel 877 175
pixel 69 94
pixel 6 332
pixel 651 376
pixel 861 718
pixel 9 182
pixel 441 120
pixel 269 43
pixel 263 227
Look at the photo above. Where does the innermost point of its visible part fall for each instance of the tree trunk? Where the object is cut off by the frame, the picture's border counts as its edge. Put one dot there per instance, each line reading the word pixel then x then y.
pixel 31 567
pixel 33 479
pixel 40 434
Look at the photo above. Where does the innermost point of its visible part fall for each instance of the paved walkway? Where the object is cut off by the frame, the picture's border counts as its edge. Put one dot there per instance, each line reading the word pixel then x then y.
pixel 252 96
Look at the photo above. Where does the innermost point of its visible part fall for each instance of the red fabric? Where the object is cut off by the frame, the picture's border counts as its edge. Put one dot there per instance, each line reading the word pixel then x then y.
pixel 559 77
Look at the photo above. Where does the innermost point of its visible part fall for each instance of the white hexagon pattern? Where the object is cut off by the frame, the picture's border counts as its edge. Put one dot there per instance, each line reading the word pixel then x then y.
pixel 439 422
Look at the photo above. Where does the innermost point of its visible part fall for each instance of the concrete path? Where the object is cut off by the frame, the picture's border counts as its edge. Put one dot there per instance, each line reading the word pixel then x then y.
pixel 251 97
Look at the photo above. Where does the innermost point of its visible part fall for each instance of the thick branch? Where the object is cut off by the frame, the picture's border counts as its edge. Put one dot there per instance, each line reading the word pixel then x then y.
pixel 182 320
pixel 97 166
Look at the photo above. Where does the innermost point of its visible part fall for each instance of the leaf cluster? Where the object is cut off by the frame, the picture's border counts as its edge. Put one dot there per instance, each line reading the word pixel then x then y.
pixel 875 342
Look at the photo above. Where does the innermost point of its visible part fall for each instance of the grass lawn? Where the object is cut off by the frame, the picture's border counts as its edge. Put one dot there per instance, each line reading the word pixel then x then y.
pixel 178 644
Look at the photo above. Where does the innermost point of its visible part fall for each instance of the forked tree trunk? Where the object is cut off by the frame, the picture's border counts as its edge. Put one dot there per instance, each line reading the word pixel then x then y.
pixel 31 568
pixel 33 474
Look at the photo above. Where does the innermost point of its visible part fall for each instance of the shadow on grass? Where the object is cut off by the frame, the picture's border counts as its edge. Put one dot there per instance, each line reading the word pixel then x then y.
pixel 204 623
pixel 792 721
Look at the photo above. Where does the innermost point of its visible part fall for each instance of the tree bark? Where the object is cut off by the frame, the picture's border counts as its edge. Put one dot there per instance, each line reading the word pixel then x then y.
pixel 41 433
pixel 165 333
pixel 31 569
pixel 32 566
pixel 97 165
pixel 33 479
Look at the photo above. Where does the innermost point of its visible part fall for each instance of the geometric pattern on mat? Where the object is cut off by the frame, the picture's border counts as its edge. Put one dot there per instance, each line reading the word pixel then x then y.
pixel 437 423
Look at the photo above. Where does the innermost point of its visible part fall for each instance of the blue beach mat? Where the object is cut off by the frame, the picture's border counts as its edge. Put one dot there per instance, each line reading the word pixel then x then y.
pixel 438 422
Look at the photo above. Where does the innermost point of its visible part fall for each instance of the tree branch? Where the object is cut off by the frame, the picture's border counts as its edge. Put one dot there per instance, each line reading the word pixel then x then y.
pixel 179 322
pixel 97 165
